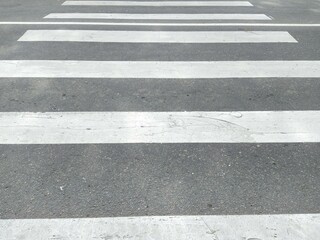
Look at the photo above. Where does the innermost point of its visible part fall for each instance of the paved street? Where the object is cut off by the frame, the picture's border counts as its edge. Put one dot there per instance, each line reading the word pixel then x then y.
pixel 206 111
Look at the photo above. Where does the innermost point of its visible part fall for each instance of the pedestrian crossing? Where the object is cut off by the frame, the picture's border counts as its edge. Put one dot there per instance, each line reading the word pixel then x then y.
pixel 154 16
pixel 158 69
pixel 178 228
pixel 169 24
pixel 152 127
pixel 159 127
pixel 157 37
pixel 161 3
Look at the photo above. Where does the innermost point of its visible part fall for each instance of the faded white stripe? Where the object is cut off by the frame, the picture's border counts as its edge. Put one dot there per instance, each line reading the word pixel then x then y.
pixel 247 227
pixel 159 69
pixel 308 25
pixel 158 36
pixel 159 127
pixel 161 3
pixel 153 16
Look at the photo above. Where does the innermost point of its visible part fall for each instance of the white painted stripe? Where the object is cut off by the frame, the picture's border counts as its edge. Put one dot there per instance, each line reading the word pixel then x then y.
pixel 168 24
pixel 158 69
pixel 158 36
pixel 246 227
pixel 161 3
pixel 154 16
pixel 159 127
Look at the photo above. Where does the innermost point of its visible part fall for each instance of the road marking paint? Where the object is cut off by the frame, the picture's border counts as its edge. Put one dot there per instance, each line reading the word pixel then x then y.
pixel 159 127
pixel 158 36
pixel 158 69
pixel 167 24
pixel 154 16
pixel 266 227
pixel 161 3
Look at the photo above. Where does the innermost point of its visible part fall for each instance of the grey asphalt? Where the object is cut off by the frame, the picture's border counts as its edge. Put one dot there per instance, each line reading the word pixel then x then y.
pixel 47 181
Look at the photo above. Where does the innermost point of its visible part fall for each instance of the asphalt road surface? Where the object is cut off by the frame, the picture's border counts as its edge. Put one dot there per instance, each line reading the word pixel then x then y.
pixel 206 112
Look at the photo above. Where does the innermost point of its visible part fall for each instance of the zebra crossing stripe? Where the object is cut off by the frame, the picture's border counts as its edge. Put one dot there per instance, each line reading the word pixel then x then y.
pixel 154 16
pixel 291 25
pixel 159 127
pixel 247 227
pixel 158 69
pixel 161 3
pixel 158 36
